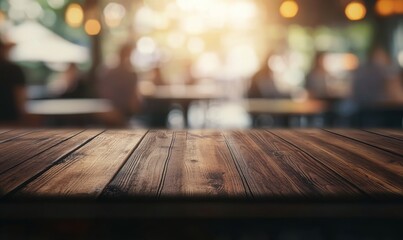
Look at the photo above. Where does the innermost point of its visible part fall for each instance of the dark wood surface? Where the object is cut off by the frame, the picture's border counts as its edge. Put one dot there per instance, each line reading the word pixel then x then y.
pixel 329 172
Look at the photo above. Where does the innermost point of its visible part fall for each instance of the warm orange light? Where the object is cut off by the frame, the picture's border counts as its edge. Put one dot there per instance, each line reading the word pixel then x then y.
pixel 384 7
pixel 2 17
pixel 92 27
pixel 351 61
pixel 355 11
pixel 74 15
pixel 289 9
pixel 399 7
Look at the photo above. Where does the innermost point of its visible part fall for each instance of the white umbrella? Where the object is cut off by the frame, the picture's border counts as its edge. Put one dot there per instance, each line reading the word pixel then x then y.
pixel 35 42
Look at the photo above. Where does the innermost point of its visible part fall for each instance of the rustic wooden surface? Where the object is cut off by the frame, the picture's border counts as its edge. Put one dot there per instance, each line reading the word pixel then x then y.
pixel 252 166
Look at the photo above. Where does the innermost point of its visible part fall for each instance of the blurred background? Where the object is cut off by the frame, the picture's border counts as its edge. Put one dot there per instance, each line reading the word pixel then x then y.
pixel 201 63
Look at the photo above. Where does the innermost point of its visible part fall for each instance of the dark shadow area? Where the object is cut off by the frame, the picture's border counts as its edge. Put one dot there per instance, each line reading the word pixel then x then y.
pixel 278 229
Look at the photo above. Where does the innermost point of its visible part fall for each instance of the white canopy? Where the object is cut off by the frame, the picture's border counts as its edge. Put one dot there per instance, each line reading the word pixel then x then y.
pixel 35 42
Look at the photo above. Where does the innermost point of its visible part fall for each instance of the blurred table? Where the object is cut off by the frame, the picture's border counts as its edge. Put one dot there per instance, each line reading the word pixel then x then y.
pixel 68 106
pixel 178 93
pixel 387 114
pixel 68 109
pixel 284 108
pixel 161 98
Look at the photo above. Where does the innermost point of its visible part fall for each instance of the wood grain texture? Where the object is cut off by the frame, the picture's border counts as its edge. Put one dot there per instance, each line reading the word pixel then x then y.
pixel 86 172
pixel 201 165
pixel 3 130
pixel 168 164
pixel 392 133
pixel 22 148
pixel 192 164
pixel 375 140
pixel 21 173
pixel 273 168
pixel 143 171
pixel 365 167
pixel 12 134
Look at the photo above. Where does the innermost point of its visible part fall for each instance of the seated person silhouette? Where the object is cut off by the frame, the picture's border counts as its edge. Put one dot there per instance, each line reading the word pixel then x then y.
pixel 12 88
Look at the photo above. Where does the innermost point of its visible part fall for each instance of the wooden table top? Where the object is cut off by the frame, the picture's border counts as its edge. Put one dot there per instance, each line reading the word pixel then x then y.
pixel 305 166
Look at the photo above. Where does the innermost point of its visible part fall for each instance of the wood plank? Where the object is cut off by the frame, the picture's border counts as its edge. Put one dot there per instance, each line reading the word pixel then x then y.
pixel 377 158
pixel 273 168
pixel 20 149
pixel 358 163
pixel 142 173
pixel 201 165
pixel 382 142
pixel 3 130
pixel 86 172
pixel 21 173
pixel 392 133
pixel 175 164
pixel 10 135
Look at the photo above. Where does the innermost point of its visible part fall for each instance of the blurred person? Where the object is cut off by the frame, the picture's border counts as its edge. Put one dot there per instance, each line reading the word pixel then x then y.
pixel 377 80
pixel 262 83
pixel 120 86
pixel 12 88
pixel 262 86
pixel 376 90
pixel 317 80
pixel 157 77
pixel 189 79
pixel 317 85
pixel 70 84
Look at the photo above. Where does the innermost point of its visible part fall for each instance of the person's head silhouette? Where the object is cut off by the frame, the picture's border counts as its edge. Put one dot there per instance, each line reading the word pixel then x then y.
pixel 5 47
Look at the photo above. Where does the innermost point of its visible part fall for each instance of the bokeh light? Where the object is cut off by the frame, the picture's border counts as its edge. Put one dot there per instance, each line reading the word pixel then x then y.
pixel 176 39
pixel 56 4
pixel 33 10
pixel 49 18
pixel 399 6
pixel 384 7
pixel 241 13
pixel 92 27
pixel 195 45
pixel 193 24
pixel 146 45
pixel 74 15
pixel 2 17
pixel 206 65
pixel 355 11
pixel 289 9
pixel 114 13
pixel 338 62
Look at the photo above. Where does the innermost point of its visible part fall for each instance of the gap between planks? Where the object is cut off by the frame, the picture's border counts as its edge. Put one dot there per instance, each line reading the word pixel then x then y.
pixel 360 168
pixel 85 172
pixel 178 164
pixel 395 147
pixel 275 168
pixel 384 132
